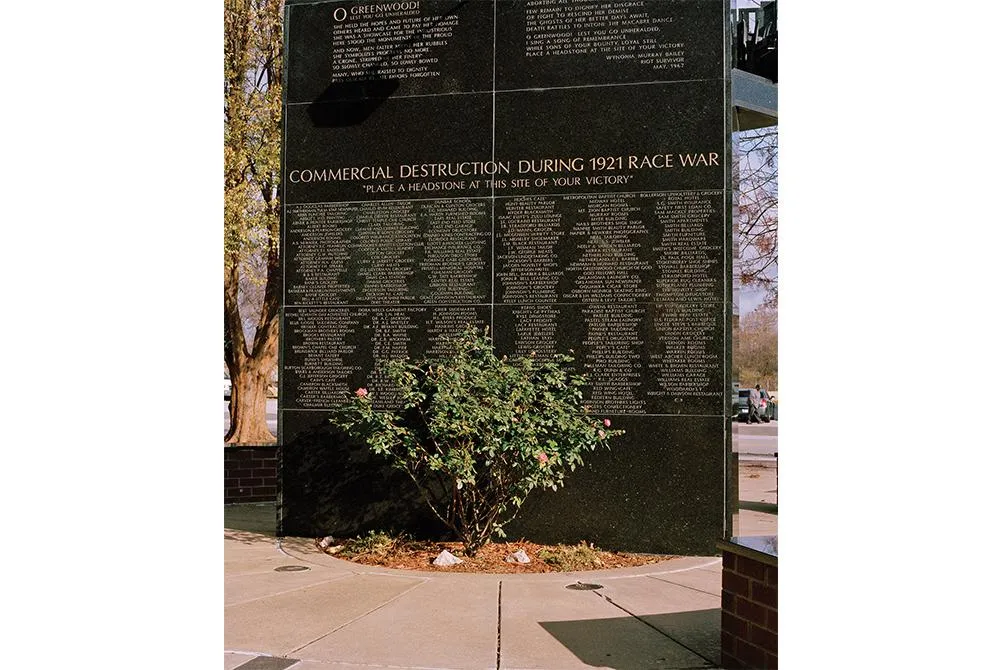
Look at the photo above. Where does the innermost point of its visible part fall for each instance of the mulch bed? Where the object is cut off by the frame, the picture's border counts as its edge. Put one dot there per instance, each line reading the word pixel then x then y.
pixel 418 555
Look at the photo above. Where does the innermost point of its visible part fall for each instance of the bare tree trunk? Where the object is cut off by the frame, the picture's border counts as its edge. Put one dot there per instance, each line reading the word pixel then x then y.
pixel 249 371
pixel 248 396
pixel 252 57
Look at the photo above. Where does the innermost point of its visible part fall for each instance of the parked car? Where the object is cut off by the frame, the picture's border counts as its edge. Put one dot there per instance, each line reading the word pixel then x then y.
pixel 227 387
pixel 740 406
pixel 770 409
pixel 739 410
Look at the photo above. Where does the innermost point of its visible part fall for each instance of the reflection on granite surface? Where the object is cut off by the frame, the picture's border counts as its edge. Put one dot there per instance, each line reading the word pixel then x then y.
pixel 766 544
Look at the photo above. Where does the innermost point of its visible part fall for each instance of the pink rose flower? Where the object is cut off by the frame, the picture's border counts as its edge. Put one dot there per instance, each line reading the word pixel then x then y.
pixel 362 393
pixel 606 422
pixel 542 457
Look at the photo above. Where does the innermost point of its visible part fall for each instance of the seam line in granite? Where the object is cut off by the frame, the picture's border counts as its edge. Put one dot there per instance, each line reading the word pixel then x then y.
pixel 536 89
pixel 328 409
pixel 727 352
pixel 494 135
pixel 516 195
pixel 357 305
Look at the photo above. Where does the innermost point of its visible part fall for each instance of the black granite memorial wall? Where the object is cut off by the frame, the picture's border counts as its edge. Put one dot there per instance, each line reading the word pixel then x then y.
pixel 558 170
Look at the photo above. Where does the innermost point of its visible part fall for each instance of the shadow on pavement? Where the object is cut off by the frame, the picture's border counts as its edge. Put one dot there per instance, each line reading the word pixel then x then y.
pixel 612 643
pixel 251 517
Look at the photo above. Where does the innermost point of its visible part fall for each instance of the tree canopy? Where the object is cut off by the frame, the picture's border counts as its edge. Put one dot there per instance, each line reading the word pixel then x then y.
pixel 756 210
pixel 252 113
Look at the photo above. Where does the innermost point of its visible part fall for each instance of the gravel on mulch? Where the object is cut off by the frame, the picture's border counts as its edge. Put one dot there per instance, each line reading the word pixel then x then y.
pixel 418 555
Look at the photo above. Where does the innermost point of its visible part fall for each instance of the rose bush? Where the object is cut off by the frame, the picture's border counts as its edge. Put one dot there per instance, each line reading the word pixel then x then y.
pixel 477 432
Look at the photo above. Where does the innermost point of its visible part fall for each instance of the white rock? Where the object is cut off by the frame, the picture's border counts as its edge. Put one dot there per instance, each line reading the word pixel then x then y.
pixel 446 559
pixel 518 557
pixel 326 542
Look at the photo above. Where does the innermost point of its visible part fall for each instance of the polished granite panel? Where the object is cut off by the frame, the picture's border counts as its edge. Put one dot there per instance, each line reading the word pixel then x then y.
pixel 650 137
pixel 333 485
pixel 610 247
pixel 658 489
pixel 641 358
pixel 381 140
pixel 427 48
pixel 330 352
pixel 559 171
pixel 433 252
pixel 596 42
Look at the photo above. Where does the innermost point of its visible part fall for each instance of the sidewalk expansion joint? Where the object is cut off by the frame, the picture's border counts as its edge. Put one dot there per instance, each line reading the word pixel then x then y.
pixel 498 654
pixel 691 588
pixel 656 628
pixel 279 593
pixel 361 616
pixel 702 566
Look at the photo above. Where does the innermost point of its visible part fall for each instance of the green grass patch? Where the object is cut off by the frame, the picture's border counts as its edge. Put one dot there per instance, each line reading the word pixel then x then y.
pixel 376 544
pixel 568 558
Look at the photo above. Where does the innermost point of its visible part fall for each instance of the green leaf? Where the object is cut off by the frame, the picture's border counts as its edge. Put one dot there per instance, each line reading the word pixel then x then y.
pixel 480 423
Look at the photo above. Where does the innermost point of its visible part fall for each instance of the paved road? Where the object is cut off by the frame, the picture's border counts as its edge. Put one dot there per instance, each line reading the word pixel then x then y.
pixel 754 440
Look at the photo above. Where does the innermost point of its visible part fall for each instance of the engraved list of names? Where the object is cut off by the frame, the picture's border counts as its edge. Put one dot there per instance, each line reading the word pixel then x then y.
pixel 567 188
pixel 557 170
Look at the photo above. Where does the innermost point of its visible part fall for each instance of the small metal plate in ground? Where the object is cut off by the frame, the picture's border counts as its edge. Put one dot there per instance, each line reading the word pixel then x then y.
pixel 268 663
pixel 579 586
pixel 291 568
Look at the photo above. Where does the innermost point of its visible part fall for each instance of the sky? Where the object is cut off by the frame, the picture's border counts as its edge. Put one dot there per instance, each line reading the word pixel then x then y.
pixel 748 297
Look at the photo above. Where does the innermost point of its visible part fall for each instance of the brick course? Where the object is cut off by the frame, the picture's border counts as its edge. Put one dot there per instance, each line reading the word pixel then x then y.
pixel 748 611
pixel 751 611
pixel 749 568
pixel 766 595
pixel 762 638
pixel 749 655
pixel 250 474
pixel 736 627
pixel 728 601
pixel 727 643
pixel 734 583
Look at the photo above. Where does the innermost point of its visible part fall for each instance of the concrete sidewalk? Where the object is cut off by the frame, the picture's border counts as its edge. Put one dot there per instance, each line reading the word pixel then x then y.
pixel 288 605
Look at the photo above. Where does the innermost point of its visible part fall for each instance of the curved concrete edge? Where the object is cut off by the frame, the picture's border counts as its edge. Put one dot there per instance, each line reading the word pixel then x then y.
pixel 304 550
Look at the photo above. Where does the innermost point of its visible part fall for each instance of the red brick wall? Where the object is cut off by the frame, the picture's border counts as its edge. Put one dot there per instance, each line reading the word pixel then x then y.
pixel 748 612
pixel 250 474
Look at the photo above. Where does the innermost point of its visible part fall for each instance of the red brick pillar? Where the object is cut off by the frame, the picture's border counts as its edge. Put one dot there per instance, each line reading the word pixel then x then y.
pixel 748 607
pixel 250 474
